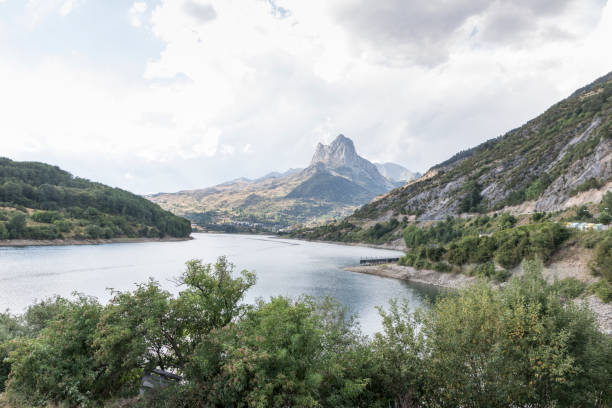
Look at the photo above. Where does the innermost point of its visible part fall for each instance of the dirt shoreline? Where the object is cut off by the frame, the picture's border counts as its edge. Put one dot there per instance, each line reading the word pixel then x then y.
pixel 424 276
pixel 100 241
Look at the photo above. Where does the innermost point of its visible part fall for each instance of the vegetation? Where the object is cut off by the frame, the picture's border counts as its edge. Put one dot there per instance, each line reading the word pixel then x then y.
pixel 481 241
pixel 517 346
pixel 39 201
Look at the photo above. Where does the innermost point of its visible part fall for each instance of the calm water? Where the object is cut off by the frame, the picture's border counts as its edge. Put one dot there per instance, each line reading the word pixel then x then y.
pixel 284 267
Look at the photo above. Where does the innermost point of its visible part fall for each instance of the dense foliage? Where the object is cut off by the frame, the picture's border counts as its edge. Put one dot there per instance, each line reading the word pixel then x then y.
pixel 481 347
pixel 39 201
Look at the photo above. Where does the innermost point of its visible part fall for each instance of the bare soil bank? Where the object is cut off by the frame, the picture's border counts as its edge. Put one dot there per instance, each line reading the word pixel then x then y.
pixel 56 242
pixel 443 280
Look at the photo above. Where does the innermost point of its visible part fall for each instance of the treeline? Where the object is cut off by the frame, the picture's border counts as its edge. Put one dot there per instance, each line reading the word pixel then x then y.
pixel 105 212
pixel 455 243
pixel 480 347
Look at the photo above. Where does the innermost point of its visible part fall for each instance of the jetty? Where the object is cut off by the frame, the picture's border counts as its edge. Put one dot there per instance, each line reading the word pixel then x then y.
pixel 377 261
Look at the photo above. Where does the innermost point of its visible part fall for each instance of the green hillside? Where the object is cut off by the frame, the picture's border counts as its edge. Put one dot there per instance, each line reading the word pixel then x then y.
pixel 552 158
pixel 39 201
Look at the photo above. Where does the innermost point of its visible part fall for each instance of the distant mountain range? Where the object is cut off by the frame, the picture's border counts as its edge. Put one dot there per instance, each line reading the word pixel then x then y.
pixel 336 182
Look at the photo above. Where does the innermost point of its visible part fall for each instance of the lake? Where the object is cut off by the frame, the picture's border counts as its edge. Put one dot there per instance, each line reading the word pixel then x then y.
pixel 283 266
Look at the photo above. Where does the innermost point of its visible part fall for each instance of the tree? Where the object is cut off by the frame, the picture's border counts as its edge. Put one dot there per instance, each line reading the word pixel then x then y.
pixel 149 328
pixel 17 226
pixel 472 198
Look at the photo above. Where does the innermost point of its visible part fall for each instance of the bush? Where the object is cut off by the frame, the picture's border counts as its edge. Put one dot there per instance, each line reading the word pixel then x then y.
pixel 506 221
pixel 485 270
pixel 63 225
pixel 513 246
pixel 42 232
pixel 518 346
pixel 602 261
pixel 603 290
pixel 47 217
pixel 546 240
pixel 60 364
pixel 569 288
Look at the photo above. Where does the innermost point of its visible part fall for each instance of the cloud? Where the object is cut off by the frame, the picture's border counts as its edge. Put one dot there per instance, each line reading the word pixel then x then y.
pixel 40 10
pixel 425 33
pixel 245 87
pixel 137 12
pixel 203 13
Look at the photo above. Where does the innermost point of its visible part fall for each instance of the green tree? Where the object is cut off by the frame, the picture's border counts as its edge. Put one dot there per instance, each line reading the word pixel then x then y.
pixel 472 198
pixel 149 328
pixel 17 225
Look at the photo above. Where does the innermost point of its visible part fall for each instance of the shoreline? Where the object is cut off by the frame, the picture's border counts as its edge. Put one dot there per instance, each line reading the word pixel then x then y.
pixel 422 276
pixel 602 311
pixel 97 241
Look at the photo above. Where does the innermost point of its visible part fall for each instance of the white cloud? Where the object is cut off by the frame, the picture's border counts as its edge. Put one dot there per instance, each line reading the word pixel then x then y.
pixel 39 10
pixel 137 12
pixel 67 7
pixel 266 81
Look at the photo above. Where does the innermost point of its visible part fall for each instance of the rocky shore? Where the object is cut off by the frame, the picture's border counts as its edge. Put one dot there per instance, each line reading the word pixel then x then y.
pixel 428 277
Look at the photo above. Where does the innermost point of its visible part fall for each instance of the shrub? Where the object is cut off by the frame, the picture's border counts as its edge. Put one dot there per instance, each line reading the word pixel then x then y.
pixel 602 261
pixel 63 225
pixel 47 217
pixel 545 241
pixel 518 346
pixel 512 247
pixel 506 221
pixel 569 288
pixel 603 290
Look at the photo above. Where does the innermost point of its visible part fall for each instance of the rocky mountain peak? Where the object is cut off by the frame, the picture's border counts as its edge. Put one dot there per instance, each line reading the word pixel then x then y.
pixel 341 159
pixel 341 152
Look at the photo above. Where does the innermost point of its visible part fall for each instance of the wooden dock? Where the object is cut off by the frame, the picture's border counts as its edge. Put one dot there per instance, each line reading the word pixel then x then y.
pixel 377 261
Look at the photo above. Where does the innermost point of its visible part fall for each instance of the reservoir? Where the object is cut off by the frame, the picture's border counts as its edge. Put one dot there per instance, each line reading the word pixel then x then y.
pixel 284 267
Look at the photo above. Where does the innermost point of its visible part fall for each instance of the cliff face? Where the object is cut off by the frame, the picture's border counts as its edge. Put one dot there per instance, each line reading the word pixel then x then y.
pixel 559 159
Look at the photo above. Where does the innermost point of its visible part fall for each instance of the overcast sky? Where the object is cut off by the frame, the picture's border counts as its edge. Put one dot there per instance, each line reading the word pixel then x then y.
pixel 166 95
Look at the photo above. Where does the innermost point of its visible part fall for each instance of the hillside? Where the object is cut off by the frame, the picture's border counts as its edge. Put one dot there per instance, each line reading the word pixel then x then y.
pixel 39 201
pixel 336 182
pixel 558 160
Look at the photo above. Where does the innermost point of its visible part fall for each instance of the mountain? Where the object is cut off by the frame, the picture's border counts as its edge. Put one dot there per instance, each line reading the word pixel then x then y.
pixel 560 159
pixel 336 182
pixel 341 159
pixel 39 201
pixel 396 173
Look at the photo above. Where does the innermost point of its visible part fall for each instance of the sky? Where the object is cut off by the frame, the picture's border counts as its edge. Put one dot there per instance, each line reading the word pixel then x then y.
pixel 166 95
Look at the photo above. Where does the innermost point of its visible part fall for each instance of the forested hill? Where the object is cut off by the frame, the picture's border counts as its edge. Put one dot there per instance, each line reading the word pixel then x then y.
pixel 39 201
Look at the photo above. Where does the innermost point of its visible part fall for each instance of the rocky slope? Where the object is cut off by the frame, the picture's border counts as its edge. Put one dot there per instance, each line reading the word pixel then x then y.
pixel 336 182
pixel 559 159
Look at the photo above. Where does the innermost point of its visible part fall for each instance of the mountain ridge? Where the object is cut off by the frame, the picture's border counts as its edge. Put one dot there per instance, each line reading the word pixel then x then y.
pixel 548 164
pixel 333 185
